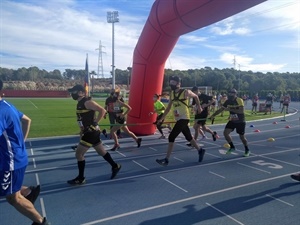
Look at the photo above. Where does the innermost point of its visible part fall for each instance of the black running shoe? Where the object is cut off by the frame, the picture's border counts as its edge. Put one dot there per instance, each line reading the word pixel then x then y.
pixel 296 177
pixel 139 141
pixel 104 132
pixel 163 162
pixel 77 181
pixel 201 153
pixel 115 171
pixel 214 136
pixel 45 222
pixel 74 147
pixel 35 191
pixel 189 144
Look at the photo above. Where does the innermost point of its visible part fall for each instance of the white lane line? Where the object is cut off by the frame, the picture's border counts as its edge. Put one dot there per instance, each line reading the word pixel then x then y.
pixel 184 200
pixel 34 164
pixel 216 156
pixel 279 200
pixel 173 184
pixel 43 207
pixel 31 151
pixel 178 159
pixel 216 174
pixel 154 149
pixel 253 168
pixel 140 165
pixel 230 217
pixel 37 179
pixel 121 154
pixel 32 104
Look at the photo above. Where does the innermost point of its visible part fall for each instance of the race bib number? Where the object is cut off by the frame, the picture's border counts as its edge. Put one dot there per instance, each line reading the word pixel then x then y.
pixel 233 117
pixel 176 113
pixel 116 108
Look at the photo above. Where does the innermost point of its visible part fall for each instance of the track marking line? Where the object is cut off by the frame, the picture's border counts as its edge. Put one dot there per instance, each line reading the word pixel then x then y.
pixel 140 165
pixel 216 174
pixel 32 103
pixel 173 184
pixel 37 179
pixel 183 200
pixel 230 217
pixel 277 199
pixel 43 207
pixel 178 159
pixel 154 149
pixel 242 164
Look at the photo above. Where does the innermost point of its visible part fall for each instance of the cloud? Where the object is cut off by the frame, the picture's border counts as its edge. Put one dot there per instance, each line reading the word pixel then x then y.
pixel 229 27
pixel 59 36
pixel 245 63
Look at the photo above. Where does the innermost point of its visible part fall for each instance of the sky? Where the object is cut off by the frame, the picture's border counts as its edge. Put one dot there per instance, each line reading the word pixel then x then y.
pixel 59 34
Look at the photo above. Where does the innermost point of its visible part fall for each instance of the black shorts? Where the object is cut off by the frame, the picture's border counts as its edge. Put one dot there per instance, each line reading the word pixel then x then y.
pixel 240 127
pixel 254 104
pixel 91 138
pixel 201 119
pixel 181 126
pixel 120 120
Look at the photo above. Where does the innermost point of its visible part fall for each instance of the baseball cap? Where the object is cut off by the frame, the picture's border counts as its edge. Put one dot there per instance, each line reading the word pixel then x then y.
pixel 175 78
pixel 77 87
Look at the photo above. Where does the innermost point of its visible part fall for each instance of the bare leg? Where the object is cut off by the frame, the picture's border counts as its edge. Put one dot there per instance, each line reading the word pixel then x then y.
pixel 127 131
pixel 24 206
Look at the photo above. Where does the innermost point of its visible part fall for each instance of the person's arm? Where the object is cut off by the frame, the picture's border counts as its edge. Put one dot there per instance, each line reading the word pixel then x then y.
pixel 128 107
pixel 92 105
pixel 26 122
pixel 191 94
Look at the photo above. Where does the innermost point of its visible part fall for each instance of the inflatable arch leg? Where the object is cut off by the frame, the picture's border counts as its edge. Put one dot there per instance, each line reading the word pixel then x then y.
pixel 168 20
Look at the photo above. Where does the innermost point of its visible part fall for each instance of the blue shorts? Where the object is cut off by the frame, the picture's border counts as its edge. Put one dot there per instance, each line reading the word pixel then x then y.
pixel 11 181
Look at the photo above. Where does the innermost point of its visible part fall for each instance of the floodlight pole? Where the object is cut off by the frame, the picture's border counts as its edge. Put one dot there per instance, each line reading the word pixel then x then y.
pixel 113 17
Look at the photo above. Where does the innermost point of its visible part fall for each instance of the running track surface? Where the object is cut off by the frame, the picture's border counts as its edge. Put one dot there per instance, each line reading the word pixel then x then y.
pixel 223 189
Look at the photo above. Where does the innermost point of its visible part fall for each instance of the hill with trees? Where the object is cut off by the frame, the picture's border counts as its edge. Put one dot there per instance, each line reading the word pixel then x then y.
pixel 221 80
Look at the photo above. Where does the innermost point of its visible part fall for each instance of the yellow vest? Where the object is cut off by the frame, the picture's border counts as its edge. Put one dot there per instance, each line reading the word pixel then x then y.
pixel 180 105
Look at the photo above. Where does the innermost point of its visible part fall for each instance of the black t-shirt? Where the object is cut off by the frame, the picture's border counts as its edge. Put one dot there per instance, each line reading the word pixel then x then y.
pixel 85 117
pixel 235 104
pixel 204 99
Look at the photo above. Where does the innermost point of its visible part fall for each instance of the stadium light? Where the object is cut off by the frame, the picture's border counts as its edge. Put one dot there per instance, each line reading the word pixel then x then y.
pixel 113 17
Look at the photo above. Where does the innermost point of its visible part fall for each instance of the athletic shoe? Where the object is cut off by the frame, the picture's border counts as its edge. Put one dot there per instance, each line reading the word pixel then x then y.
pixel 201 153
pixel 45 222
pixel 214 136
pixel 104 133
pixel 189 144
pixel 247 153
pixel 77 181
pixel 163 162
pixel 139 141
pixel 115 171
pixel 35 191
pixel 230 150
pixel 74 147
pixel 162 137
pixel 296 177
pixel 116 146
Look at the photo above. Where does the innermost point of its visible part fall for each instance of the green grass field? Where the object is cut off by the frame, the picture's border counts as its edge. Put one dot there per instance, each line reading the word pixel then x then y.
pixel 57 117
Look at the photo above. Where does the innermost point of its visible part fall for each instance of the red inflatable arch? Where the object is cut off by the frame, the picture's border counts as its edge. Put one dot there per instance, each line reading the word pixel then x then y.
pixel 168 20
